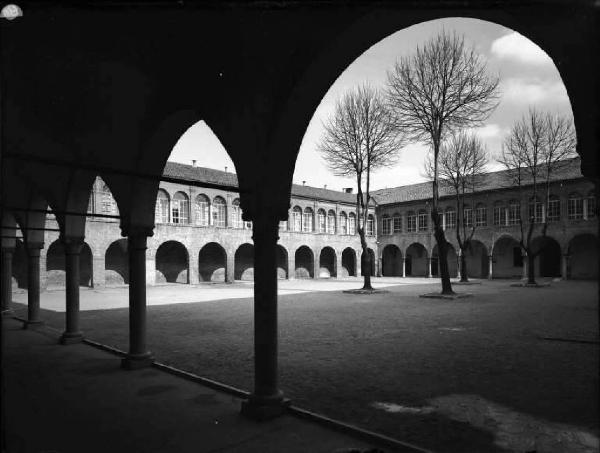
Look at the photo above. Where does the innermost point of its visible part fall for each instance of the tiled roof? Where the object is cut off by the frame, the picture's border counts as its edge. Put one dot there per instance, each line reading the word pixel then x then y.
pixel 491 181
pixel 209 175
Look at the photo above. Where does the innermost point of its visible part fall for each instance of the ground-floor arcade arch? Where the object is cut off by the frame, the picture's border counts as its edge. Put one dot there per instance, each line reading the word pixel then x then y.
pixel 476 257
pixel 452 259
pixel 327 263
pixel 583 257
pixel 507 258
pixel 416 260
pixel 391 261
pixel 282 262
pixel 244 262
pixel 55 265
pixel 212 263
pixel 19 266
pixel 304 262
pixel 547 261
pixel 348 263
pixel 116 263
pixel 363 266
pixel 172 263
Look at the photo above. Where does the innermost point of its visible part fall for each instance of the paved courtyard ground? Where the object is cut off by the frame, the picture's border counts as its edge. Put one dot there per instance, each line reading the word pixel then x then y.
pixel 465 375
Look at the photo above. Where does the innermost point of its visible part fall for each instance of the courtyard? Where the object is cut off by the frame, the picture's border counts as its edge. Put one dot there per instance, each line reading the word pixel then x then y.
pixel 508 369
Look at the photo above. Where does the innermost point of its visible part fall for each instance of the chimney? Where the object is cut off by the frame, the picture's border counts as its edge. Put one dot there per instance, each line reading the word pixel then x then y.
pixel 325 186
pixel 225 169
pixel 193 162
pixel 303 183
pixel 347 189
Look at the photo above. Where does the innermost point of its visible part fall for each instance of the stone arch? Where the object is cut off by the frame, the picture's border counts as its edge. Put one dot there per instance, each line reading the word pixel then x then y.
pixel 282 262
pixel 547 261
pixel 172 263
pixel 416 260
pixel 244 262
pixel 477 259
pixel 452 261
pixel 363 267
pixel 304 260
pixel 212 263
pixel 507 258
pixel 583 257
pixel 348 263
pixel 55 265
pixel 391 261
pixel 19 265
pixel 116 263
pixel 327 263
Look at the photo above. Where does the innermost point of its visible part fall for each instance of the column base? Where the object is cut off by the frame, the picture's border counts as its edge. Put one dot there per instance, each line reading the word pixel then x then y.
pixel 71 338
pixel 137 361
pixel 264 408
pixel 27 324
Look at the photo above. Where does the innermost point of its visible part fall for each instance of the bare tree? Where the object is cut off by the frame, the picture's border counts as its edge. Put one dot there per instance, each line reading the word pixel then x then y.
pixel 536 147
pixel 441 88
pixel 359 138
pixel 461 165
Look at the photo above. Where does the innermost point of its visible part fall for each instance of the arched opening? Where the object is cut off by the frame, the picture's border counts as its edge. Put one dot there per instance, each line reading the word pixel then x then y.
pixel 116 263
pixel 507 258
pixel 55 265
pixel 452 261
pixel 348 263
pixel 391 261
pixel 202 210
pixel 282 262
pixel 547 262
pixel 304 262
pixel 477 260
pixel 212 262
pixel 244 262
pixel 180 208
pixel 19 266
pixel 416 260
pixel 172 263
pixel 219 212
pixel 327 263
pixel 162 207
pixel 583 257
pixel 363 266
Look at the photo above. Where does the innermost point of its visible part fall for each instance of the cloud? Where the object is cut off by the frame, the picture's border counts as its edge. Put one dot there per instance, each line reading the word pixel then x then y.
pixel 488 131
pixel 528 91
pixel 517 47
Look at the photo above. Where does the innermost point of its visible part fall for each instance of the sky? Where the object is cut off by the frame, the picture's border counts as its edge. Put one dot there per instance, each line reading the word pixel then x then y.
pixel 527 75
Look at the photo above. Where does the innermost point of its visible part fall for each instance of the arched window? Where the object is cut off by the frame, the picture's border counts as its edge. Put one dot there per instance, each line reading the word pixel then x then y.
pixel 202 210
pixel 343 223
pixel 283 225
pixel 161 212
pixel 331 222
pixel 575 207
pixel 450 218
pixel 397 223
pixel 352 223
pixel 411 222
pixel 386 224
pixel 536 211
pixel 468 216
pixel 480 215
pixel 180 212
pixel 370 225
pixel 514 212
pixel 297 218
pixel 308 225
pixel 107 202
pixel 236 214
pixel 553 214
pixel 422 220
pixel 219 213
pixel 322 221
pixel 499 214
pixel 591 205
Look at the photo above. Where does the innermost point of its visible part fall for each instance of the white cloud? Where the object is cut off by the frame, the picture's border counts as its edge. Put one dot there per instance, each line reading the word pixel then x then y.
pixel 488 131
pixel 518 47
pixel 526 91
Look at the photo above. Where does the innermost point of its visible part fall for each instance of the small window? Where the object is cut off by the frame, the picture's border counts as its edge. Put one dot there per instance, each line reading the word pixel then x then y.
pixel 411 222
pixel 219 214
pixel 237 214
pixel 575 207
pixel 283 224
pixel 352 223
pixel 321 221
pixel 591 205
pixel 480 215
pixel 370 225
pixel 202 210
pixel 514 212
pixel 397 223
pixel 422 220
pixel 468 216
pixel 553 214
pixel 343 223
pixel 297 218
pixel 450 218
pixel 179 208
pixel 385 224
pixel 536 211
pixel 308 225
pixel 162 207
pixel 499 214
pixel 331 222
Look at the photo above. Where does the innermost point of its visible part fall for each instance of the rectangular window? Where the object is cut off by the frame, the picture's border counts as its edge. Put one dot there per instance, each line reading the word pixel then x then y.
pixel 553 214
pixel 307 227
pixel 450 220
pixel 297 216
pixel 499 216
pixel 162 210
pixel 331 224
pixel 535 212
pixel 283 225
pixel 517 257
pixel 514 213
pixel 385 226
pixel 322 222
pixel 370 225
pixel 591 207
pixel 422 221
pixel 343 225
pixel 411 223
pixel 351 225
pixel 481 216
pixel 575 208
pixel 398 224
pixel 468 217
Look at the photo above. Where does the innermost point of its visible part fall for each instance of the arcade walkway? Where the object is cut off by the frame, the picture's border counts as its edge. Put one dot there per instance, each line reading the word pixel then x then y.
pixel 76 398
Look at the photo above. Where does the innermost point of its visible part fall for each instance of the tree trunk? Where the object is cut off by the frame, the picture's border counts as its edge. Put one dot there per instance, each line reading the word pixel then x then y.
pixel 464 276
pixel 365 262
pixel 443 259
pixel 530 269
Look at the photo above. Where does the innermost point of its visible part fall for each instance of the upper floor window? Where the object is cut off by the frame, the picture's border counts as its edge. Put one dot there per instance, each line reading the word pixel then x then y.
pixel 450 218
pixel 514 212
pixel 553 214
pixel 331 222
pixel 202 210
pixel 219 213
pixel 162 207
pixel 352 223
pixel 536 211
pixel 297 218
pixel 468 216
pixel 343 223
pixel 386 224
pixel 411 222
pixel 248 225
pixel 370 225
pixel 422 220
pixel 237 214
pixel 308 225
pixel 397 223
pixel 575 207
pixel 179 208
pixel 481 215
pixel 591 205
pixel 107 202
pixel 321 221
pixel 499 214
pixel 283 225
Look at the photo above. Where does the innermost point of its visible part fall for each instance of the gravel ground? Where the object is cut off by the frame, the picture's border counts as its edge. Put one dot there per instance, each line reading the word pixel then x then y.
pixel 463 375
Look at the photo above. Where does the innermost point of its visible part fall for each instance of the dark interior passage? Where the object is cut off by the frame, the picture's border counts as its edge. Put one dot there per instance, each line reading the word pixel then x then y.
pixel 212 262
pixel 172 263
pixel 244 262
pixel 116 263
pixel 304 260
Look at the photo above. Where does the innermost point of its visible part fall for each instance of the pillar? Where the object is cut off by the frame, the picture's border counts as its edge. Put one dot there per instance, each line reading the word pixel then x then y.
pixel 291 265
pixel 267 400
pixel 7 255
pixel 33 285
pixel 564 266
pixel 338 265
pixel 404 266
pixel 429 274
pixel 72 334
pixel 524 277
pixel 379 265
pixel 490 267
pixel 230 267
pixel 99 270
pixel 316 263
pixel 138 356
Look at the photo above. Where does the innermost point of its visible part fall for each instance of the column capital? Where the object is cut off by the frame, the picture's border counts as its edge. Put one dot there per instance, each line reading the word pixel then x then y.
pixel 137 231
pixel 265 227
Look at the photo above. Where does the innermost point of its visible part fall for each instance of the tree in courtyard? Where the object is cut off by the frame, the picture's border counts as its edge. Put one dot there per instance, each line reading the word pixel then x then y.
pixel 359 138
pixel 441 88
pixel 535 148
pixel 461 165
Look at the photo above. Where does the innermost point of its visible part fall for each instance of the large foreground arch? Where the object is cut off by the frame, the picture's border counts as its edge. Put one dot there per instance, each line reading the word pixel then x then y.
pixel 583 257
pixel 172 263
pixel 212 263
pixel 116 263
pixel 244 262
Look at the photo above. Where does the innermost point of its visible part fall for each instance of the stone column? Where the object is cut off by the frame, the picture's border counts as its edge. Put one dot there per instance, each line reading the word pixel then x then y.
pixel 564 266
pixel 267 400
pixel 404 266
pixel 7 254
pixel 490 267
pixel 524 277
pixel 72 248
pixel 338 265
pixel 33 285
pixel 230 267
pixel 99 270
pixel 316 263
pixel 138 355
pixel 291 265
pixel 429 274
pixel 379 265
